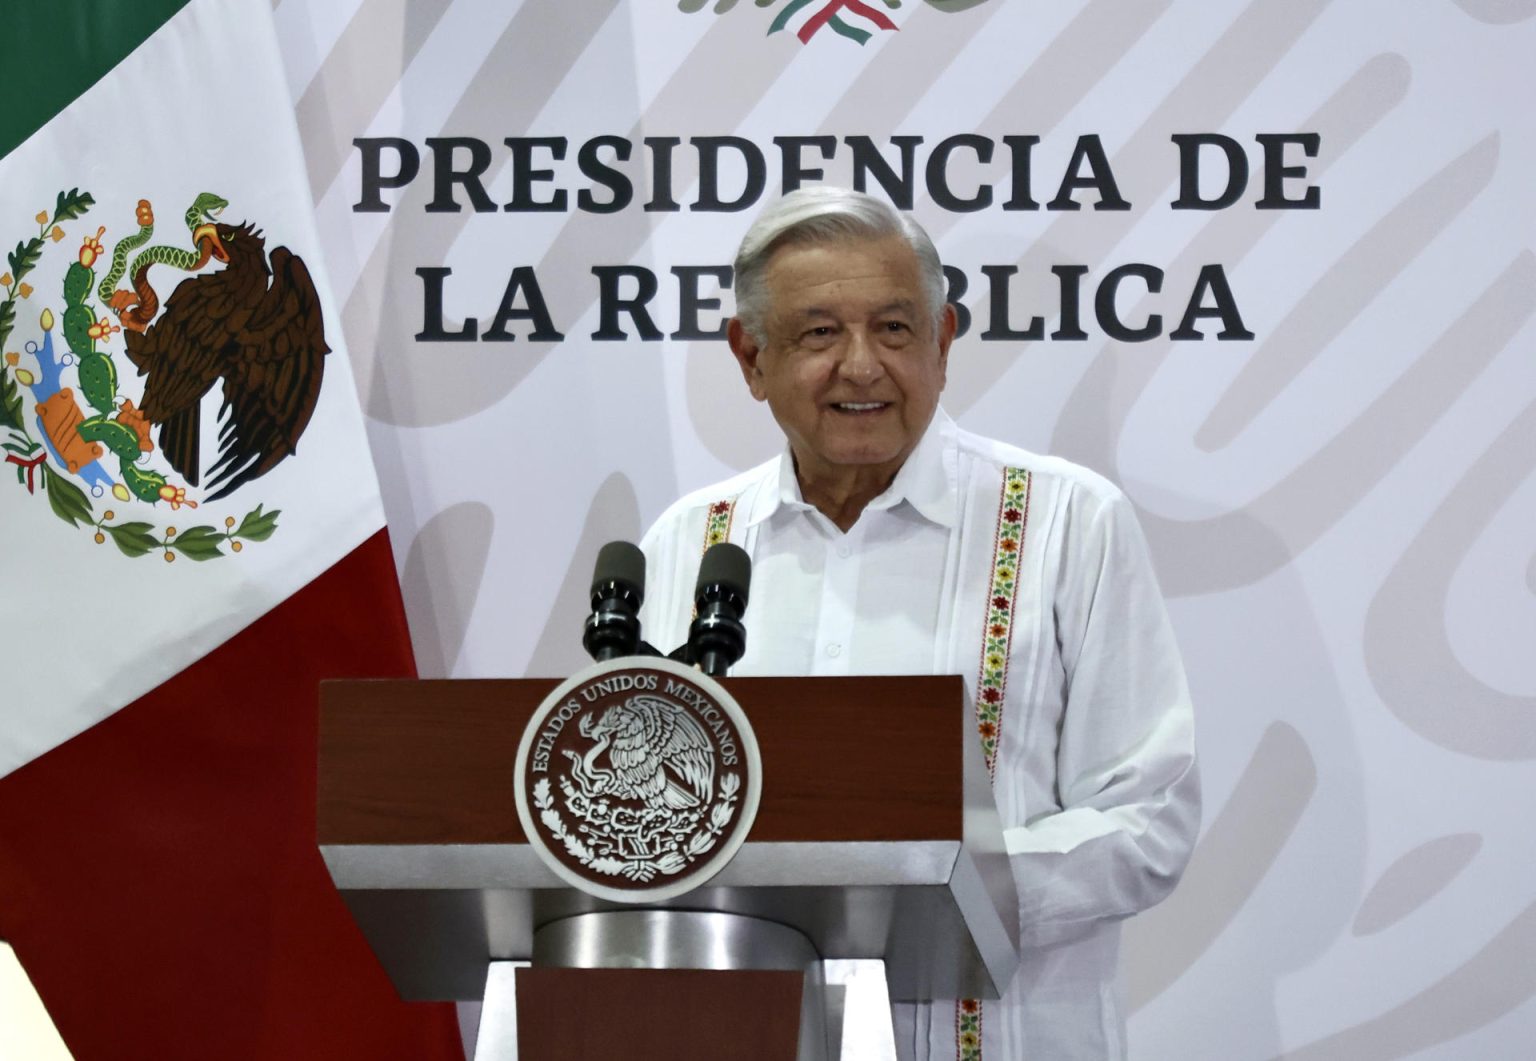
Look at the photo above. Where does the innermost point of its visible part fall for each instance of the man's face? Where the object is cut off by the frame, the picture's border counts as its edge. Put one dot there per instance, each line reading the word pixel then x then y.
pixel 852 361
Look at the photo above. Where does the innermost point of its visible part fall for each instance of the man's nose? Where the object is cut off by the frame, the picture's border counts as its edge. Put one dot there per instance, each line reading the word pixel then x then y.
pixel 861 362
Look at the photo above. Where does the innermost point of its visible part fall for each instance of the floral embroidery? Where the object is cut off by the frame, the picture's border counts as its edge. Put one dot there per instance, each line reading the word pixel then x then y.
pixel 968 1030
pixel 717 525
pixel 992 682
pixel 1013 515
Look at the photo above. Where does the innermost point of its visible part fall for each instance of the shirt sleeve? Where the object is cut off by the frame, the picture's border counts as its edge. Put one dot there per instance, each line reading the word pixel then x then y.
pixel 1126 780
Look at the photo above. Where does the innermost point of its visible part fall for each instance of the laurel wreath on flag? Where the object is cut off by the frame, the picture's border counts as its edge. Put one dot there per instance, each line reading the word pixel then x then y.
pixel 27 454
pixel 846 18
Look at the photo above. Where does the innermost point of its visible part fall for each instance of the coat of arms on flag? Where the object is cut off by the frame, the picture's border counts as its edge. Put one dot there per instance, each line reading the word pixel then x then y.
pixel 112 448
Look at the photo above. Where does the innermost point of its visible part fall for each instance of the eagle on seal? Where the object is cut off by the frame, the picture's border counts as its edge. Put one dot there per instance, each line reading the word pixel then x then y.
pixel 255 325
pixel 659 754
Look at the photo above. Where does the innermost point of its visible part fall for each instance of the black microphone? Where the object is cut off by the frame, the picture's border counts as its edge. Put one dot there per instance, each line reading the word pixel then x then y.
pixel 717 637
pixel 618 588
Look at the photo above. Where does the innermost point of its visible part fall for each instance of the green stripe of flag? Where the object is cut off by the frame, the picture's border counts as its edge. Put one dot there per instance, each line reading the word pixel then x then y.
pixel 53 50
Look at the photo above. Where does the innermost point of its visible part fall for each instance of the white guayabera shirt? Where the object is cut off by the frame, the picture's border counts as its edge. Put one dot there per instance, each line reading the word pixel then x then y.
pixel 1083 709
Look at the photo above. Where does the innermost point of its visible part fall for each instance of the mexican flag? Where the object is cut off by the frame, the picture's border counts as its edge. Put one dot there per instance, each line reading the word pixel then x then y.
pixel 191 538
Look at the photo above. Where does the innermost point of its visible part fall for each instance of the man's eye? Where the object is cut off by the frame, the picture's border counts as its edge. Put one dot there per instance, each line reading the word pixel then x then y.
pixel 896 326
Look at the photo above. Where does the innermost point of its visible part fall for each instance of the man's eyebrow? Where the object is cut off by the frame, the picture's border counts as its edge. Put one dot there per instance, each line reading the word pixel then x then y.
pixel 806 313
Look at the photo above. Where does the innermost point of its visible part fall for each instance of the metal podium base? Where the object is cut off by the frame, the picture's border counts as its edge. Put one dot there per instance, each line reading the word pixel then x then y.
pixel 670 939
pixel 667 939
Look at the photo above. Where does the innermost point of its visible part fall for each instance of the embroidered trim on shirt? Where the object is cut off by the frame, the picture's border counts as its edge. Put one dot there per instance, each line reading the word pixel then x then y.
pixel 968 1029
pixel 992 682
pixel 717 524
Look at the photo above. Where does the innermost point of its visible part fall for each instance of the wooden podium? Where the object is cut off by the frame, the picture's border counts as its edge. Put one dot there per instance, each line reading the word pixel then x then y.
pixel 877 837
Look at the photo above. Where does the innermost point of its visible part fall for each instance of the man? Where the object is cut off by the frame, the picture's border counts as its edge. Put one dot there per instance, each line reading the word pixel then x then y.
pixel 885 540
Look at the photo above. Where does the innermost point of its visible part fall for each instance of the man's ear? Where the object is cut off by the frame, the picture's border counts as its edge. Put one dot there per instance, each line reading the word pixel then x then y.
pixel 745 348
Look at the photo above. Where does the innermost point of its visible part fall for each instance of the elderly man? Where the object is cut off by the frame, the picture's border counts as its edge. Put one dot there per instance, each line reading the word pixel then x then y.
pixel 885 540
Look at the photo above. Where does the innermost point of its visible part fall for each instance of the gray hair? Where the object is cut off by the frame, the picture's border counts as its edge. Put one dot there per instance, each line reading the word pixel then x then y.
pixel 825 215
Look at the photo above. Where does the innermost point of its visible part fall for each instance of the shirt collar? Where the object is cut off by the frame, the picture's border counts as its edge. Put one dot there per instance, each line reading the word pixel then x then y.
pixel 926 480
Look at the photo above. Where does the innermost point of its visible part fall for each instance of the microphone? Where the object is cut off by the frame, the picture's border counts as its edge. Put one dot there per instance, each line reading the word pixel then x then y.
pixel 618 588
pixel 717 637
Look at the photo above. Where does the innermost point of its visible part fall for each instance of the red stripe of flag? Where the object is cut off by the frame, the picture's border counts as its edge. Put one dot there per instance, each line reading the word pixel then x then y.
pixel 159 878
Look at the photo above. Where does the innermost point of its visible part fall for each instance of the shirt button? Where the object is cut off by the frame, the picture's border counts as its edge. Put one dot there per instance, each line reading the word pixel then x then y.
pixel 844 550
pixel 834 649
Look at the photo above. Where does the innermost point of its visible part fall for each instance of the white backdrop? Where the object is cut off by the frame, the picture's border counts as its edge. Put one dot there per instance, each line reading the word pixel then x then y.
pixel 1341 508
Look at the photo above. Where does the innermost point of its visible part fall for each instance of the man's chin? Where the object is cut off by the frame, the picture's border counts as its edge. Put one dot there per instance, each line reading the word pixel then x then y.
pixel 862 455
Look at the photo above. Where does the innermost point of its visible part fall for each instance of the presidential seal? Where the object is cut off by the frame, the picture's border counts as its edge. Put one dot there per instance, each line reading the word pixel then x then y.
pixel 637 779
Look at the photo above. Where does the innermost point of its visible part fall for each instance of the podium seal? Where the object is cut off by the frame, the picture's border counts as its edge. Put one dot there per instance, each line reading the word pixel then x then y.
pixel 638 779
